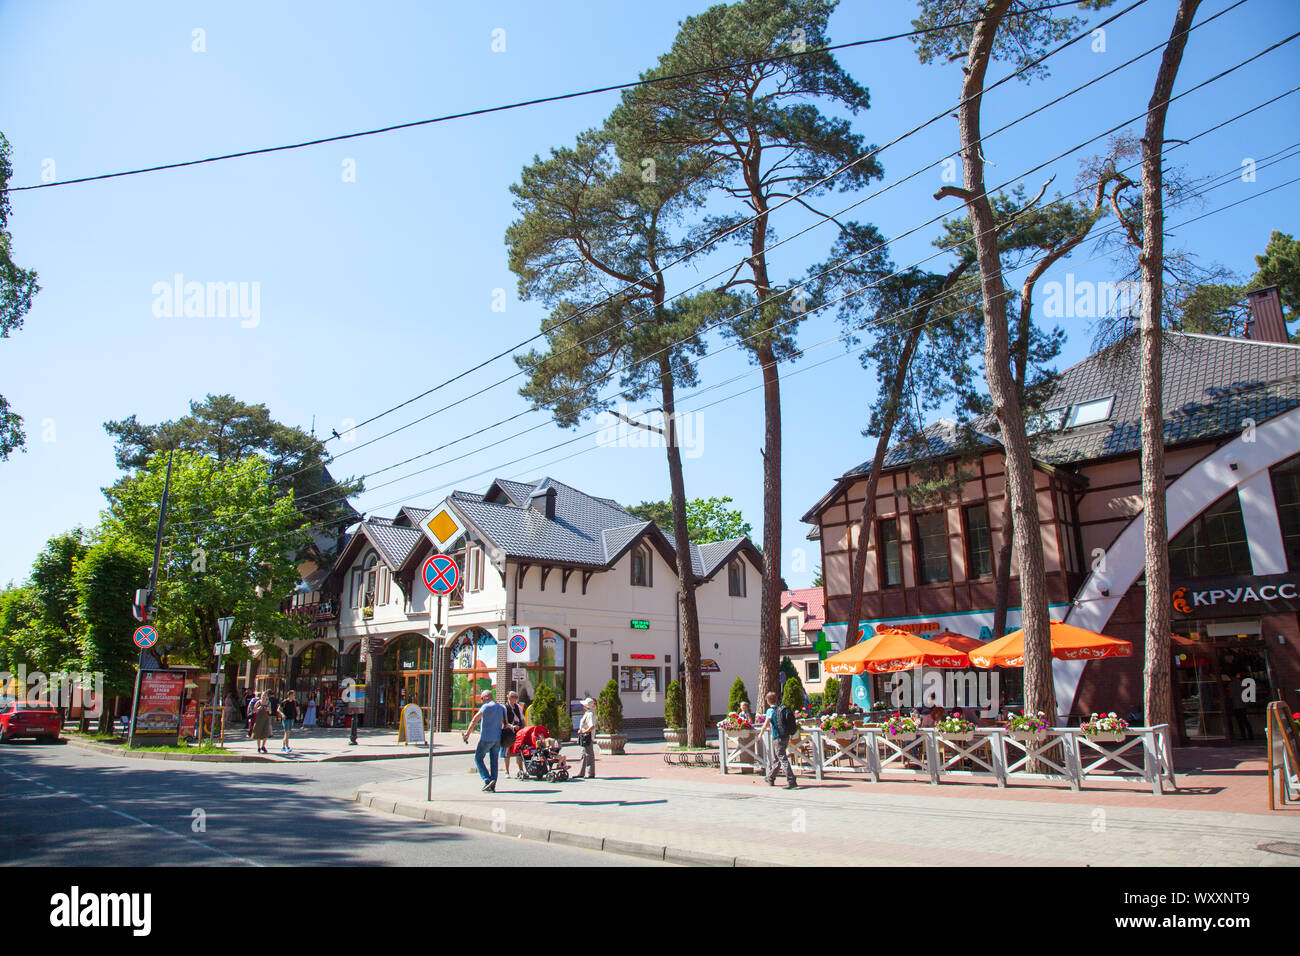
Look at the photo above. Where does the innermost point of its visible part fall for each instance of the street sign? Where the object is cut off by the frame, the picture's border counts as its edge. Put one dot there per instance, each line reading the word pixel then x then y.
pixel 222 649
pixel 521 648
pixel 146 636
pixel 441 526
pixel 440 574
pixel 223 625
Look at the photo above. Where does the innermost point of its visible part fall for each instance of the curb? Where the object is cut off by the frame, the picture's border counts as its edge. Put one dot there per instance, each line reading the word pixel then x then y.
pixel 141 755
pixel 681 856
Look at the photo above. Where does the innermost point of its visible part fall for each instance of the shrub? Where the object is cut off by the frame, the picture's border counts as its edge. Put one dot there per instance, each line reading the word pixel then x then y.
pixel 738 693
pixel 787 668
pixel 831 693
pixel 815 703
pixel 545 709
pixel 675 706
pixel 565 721
pixel 793 696
pixel 609 709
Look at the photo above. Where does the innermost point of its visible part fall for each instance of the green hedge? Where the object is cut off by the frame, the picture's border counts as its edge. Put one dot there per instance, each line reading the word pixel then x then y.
pixel 609 710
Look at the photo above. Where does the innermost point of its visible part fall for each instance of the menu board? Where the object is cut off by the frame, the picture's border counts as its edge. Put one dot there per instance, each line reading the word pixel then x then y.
pixel 159 711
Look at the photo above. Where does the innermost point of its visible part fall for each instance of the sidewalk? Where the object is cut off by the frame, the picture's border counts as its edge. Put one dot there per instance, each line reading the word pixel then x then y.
pixel 645 808
pixel 314 744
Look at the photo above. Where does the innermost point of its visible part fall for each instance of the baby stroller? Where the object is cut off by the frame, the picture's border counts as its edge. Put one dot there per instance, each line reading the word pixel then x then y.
pixel 539 763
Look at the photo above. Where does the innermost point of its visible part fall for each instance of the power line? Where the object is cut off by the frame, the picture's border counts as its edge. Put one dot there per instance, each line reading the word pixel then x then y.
pixel 1019 267
pixel 521 104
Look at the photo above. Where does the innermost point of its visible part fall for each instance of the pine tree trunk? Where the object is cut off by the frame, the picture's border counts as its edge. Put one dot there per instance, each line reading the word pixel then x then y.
pixel 769 633
pixel 1156 679
pixel 1002 586
pixel 696 718
pixel 1040 693
pixel 857 576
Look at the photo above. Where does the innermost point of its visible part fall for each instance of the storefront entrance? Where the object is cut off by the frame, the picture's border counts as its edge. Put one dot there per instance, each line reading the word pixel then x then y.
pixel 405 675
pixel 1223 681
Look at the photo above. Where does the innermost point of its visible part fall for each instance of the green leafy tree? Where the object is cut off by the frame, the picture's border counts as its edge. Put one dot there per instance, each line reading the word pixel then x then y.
pixel 225 429
pixel 757 125
pixel 563 722
pixel 818 580
pixel 787 669
pixel 707 519
pixel 106 580
pixel 674 705
pixel 592 242
pixel 609 709
pixel 228 548
pixel 53 586
pixel 17 289
pixel 1280 266
pixel 792 695
pixel 24 638
pixel 545 709
pixel 738 693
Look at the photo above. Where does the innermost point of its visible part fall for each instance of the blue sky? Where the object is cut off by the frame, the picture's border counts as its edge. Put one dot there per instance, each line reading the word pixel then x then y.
pixel 374 290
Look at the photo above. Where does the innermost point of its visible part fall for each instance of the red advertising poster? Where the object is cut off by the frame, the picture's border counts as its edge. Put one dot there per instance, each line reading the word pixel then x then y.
pixel 160 702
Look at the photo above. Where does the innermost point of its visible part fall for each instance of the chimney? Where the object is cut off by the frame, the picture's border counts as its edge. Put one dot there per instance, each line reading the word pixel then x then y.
pixel 1266 323
pixel 543 501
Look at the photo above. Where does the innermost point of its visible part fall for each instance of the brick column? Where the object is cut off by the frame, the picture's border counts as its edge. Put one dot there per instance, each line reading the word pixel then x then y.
pixel 503 666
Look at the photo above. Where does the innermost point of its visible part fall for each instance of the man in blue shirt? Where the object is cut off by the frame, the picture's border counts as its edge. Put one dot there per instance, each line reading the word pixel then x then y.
pixel 493 716
pixel 781 722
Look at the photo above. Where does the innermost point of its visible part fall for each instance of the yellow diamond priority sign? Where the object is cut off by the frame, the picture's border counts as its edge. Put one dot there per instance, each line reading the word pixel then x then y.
pixel 440 526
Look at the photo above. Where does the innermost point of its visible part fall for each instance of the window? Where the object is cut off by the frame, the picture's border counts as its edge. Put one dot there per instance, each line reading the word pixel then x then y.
pixel 637 679
pixel 814 670
pixel 736 578
pixel 1049 420
pixel 792 630
pixel 1214 543
pixel 890 557
pixel 932 547
pixel 1089 413
pixel 979 546
pixel 474 569
pixel 1286 494
pixel 641 567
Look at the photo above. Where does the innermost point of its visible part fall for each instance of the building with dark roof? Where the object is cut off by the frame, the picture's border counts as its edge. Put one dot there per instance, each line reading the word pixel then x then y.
pixel 1232 446
pixel 590 589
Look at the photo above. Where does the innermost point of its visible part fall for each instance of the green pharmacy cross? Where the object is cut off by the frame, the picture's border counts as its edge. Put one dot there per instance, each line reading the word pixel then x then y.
pixel 821 645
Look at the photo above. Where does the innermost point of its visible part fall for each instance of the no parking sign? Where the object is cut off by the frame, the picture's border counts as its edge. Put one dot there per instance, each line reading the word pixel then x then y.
pixel 521 646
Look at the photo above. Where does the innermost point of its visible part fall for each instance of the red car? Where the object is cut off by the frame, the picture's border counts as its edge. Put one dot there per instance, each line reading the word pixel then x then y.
pixel 30 718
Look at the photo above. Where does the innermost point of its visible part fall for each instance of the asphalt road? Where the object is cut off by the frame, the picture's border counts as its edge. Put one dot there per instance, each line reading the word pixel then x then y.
pixel 61 806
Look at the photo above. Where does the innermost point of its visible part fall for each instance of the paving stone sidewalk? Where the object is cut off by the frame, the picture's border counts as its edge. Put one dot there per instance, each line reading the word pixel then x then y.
pixel 701 817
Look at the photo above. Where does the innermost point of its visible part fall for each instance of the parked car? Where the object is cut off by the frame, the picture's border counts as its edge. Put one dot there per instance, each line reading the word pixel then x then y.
pixel 30 718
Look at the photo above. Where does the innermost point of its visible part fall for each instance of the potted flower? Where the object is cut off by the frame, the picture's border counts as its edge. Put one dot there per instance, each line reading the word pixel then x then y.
pixel 1106 728
pixel 899 728
pixel 675 714
pixel 840 728
pixel 1025 726
pixel 739 728
pixel 805 718
pixel 956 729
pixel 368 612
pixel 609 720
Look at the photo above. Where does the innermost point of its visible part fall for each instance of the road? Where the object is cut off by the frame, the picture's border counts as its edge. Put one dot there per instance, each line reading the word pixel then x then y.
pixel 62 806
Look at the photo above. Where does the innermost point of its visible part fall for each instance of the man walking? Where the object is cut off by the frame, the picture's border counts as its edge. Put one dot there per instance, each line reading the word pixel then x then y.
pixel 781 719
pixel 493 717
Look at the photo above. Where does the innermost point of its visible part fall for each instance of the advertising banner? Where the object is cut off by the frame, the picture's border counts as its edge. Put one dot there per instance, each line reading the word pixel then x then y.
pixel 160 703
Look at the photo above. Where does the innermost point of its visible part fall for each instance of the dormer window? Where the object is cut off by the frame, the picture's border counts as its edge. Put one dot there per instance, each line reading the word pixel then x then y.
pixel 736 578
pixel 1089 413
pixel 641 567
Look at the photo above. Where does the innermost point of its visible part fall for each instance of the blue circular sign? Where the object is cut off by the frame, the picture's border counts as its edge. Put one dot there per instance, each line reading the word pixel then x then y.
pixel 440 574
pixel 146 636
pixel 518 644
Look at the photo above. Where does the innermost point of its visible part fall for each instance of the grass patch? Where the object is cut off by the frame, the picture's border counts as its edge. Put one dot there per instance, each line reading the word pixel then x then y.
pixel 205 749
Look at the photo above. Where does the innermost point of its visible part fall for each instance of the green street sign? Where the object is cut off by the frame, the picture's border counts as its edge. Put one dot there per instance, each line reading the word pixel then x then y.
pixel 640 625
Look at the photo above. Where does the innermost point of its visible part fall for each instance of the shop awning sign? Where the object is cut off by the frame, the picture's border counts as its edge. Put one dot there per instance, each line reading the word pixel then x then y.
pixel 1235 596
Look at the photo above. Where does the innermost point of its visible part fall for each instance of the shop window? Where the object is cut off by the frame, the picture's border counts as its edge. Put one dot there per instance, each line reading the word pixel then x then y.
pixel 979 546
pixel 814 669
pixel 889 556
pixel 932 547
pixel 1286 494
pixel 1214 543
pixel 736 578
pixel 641 567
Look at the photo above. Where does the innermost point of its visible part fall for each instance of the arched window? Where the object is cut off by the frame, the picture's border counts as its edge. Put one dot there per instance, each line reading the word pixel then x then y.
pixel 1214 543
pixel 473 670
pixel 1286 494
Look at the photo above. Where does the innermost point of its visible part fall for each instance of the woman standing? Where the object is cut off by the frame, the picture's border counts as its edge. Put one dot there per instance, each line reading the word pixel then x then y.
pixel 309 718
pixel 515 721
pixel 261 722
pixel 587 739
pixel 288 714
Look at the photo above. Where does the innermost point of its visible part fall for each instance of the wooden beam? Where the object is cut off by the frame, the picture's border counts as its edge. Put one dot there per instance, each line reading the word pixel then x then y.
pixel 546 569
pixel 586 576
pixel 564 579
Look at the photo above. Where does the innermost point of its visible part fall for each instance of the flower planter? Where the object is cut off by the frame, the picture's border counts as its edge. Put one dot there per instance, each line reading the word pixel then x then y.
pixel 1028 736
pixel 1106 738
pixel 675 736
pixel 902 738
pixel 611 743
pixel 806 724
pixel 740 739
pixel 958 738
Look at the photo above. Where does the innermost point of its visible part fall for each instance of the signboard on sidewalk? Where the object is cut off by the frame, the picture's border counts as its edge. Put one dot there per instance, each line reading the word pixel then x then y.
pixel 159 713
pixel 412 725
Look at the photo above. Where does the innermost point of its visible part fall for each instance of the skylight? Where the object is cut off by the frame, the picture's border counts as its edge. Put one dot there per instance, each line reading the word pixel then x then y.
pixel 1089 413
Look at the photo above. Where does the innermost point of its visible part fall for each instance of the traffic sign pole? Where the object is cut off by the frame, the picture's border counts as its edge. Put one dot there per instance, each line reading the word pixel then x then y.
pixel 153 582
pixel 223 627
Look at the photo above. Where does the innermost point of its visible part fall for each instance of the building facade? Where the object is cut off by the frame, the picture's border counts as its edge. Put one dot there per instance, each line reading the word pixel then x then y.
pixel 1232 445
pixel 803 615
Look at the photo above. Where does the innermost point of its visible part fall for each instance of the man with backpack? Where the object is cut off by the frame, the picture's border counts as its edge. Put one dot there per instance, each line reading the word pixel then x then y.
pixel 781 720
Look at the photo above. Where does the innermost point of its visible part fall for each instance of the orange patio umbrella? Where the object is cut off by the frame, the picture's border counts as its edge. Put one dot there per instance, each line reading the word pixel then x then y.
pixel 957 641
pixel 1069 643
pixel 894 650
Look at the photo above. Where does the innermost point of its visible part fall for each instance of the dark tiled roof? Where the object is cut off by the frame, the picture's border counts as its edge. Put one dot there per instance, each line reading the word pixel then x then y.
pixel 413 516
pixel 1212 384
pixel 394 541
pixel 707 558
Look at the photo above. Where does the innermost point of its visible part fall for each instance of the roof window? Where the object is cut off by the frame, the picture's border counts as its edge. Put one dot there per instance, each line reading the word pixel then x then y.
pixel 1089 413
